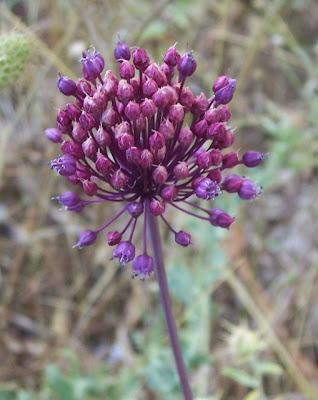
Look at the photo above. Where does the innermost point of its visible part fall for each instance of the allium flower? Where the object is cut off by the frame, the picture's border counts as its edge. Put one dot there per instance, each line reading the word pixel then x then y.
pixel 144 139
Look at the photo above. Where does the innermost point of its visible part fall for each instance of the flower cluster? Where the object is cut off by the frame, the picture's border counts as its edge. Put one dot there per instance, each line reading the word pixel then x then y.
pixel 146 140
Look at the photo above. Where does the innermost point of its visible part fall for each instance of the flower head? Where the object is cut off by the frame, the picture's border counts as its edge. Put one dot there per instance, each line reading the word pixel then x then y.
pixel 126 140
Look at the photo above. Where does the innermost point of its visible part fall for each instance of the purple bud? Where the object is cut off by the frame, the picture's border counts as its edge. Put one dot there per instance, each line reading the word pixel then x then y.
pixel 122 51
pixel 126 70
pixel 125 252
pixel 207 189
pixel 63 118
pixel 187 64
pixel 89 148
pixel 230 160
pixel 71 201
pixel 109 117
pixel 160 175
pixel 73 112
pixel 54 135
pixel 90 105
pixel 133 155
pixel 103 164
pixel 181 170
pixel 64 165
pixel 157 207
pixel 176 113
pixel 171 93
pixel 86 238
pixel 232 183
pixel 200 128
pixel 167 129
pixel 225 94
pixel 132 111
pixel 118 180
pixel 66 85
pixel 149 87
pixel 89 188
pixel 100 99
pixel 223 113
pixel 248 190
pixel 92 65
pixel 204 160
pixel 125 91
pixel 200 104
pixel 186 97
pixel 171 57
pixel 156 140
pixel 215 175
pixel 148 108
pixel 102 137
pixel 160 98
pixel 216 157
pixel 220 218
pixel 169 193
pixel 87 121
pixel 142 266
pixel 125 140
pixel 220 83
pixel 83 88
pixel 185 137
pixel 183 238
pixel 135 209
pixel 140 59
pixel 113 238
pixel 146 159
pixel 253 158
pixel 110 84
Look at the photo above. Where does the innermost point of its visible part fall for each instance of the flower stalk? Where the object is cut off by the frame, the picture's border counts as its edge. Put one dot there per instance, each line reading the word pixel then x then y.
pixel 159 267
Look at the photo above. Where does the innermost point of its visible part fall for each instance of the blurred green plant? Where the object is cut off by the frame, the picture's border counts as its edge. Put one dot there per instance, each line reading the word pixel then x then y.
pixel 14 51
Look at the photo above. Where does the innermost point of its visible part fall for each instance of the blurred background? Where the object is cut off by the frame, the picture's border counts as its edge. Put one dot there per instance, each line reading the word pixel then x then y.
pixel 73 326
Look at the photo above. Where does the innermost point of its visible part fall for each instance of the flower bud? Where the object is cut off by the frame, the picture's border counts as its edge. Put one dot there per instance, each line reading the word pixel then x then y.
pixel 73 149
pixel 125 91
pixel 200 128
pixel 110 84
pixel 142 266
pixel 171 57
pixel 230 160
pixel 146 159
pixel 185 137
pixel 225 94
pixel 160 98
pixel 160 175
pixel 223 113
pixel 171 93
pixel 149 88
pixel 157 207
pixel 181 170
pixel 132 111
pixel 125 252
pixel 62 118
pixel 140 59
pixel 89 148
pixel 125 141
pixel 204 160
pixel 54 135
pixel 207 189
pixel 86 238
pixel 156 140
pixel 122 52
pixel 248 190
pixel 66 85
pixel 216 130
pixel 135 209
pixel 187 65
pixel 212 116
pixel 118 180
pixel 253 158
pixel 186 97
pixel 92 65
pixel 126 70
pixel 87 121
pixel 200 104
pixel 183 238
pixel 220 218
pixel 89 188
pixel 148 108
pixel 216 157
pixel 121 128
pixel 83 171
pixel 90 105
pixel 100 98
pixel 73 112
pixel 109 117
pixel 215 175
pixel 103 164
pixel 133 155
pixel 83 88
pixel 71 201
pixel 176 113
pixel 113 238
pixel 102 137
pixel 232 183
pixel 169 193
pixel 64 165
pixel 140 123
pixel 167 129
pixel 154 72
pixel 220 83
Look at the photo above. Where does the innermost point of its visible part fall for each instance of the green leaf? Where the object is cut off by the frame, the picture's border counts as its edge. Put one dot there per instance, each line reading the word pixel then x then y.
pixel 61 387
pixel 268 368
pixel 241 377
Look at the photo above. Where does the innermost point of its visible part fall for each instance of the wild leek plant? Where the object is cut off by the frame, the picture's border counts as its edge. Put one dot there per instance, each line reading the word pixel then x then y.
pixel 145 140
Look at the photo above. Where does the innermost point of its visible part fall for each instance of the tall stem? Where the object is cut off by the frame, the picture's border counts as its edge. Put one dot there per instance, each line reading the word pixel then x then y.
pixel 166 305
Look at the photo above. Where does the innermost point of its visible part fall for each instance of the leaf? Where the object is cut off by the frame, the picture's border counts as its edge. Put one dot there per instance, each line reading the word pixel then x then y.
pixel 61 387
pixel 241 377
pixel 268 368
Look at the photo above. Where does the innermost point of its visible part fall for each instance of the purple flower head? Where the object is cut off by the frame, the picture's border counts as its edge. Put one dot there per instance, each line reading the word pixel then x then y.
pixel 142 266
pixel 145 142
pixel 125 252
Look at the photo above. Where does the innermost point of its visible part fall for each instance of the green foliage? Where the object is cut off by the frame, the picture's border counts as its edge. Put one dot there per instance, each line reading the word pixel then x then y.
pixel 14 51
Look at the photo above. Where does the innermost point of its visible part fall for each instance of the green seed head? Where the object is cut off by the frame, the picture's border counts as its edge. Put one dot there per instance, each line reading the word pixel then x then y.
pixel 14 50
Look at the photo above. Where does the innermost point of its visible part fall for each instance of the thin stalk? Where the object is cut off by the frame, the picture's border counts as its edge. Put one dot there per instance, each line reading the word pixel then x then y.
pixel 157 254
